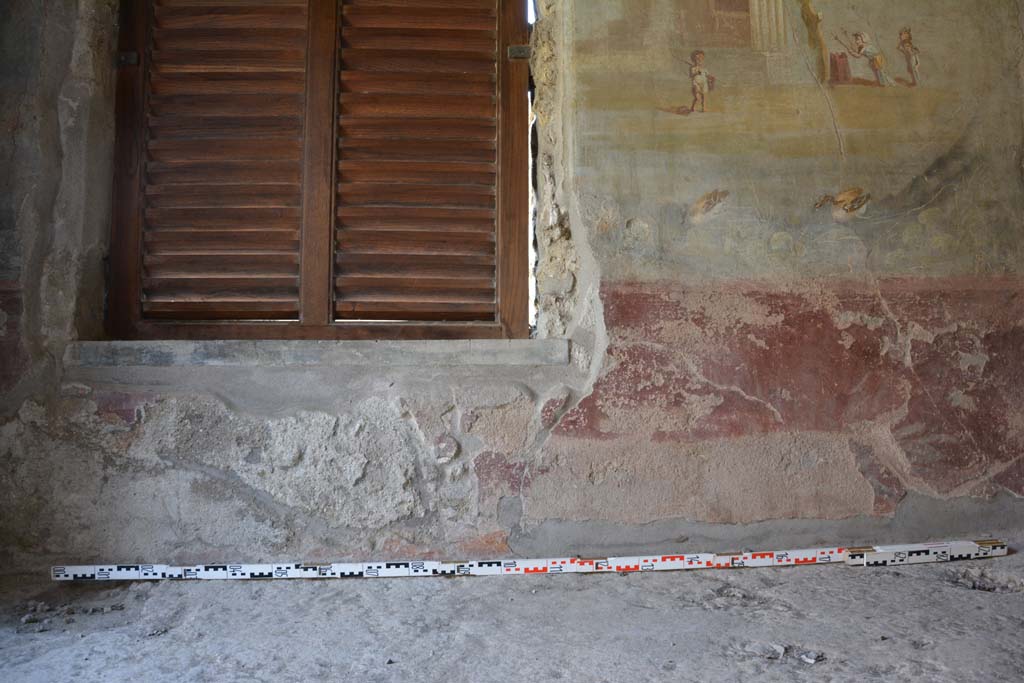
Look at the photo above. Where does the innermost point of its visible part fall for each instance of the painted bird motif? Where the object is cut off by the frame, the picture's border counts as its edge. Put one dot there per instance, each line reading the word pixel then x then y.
pixel 707 205
pixel 847 205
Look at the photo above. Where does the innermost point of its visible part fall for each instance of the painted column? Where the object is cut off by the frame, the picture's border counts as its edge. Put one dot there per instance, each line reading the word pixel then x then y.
pixel 765 23
pixel 768 25
pixel 780 26
pixel 756 22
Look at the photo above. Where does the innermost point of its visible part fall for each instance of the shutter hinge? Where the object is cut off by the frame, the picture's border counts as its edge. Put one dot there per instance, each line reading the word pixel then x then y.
pixel 518 52
pixel 127 59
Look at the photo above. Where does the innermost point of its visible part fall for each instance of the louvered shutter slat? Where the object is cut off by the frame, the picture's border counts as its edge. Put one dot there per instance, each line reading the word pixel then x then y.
pixel 224 133
pixel 312 169
pixel 417 160
pixel 423 172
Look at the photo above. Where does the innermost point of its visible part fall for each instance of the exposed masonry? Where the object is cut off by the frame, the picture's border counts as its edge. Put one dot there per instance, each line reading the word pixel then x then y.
pixel 679 414
pixel 559 287
pixel 352 448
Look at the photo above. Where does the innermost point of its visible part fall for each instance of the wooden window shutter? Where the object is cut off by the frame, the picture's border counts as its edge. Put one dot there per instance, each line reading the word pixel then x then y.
pixel 418 198
pixel 320 169
pixel 222 141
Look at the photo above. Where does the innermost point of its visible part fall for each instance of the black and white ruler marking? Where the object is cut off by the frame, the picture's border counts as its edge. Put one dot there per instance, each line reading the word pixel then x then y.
pixel 872 556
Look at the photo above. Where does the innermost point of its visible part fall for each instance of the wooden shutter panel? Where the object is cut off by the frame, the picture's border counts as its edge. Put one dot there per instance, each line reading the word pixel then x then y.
pixel 224 142
pixel 280 178
pixel 417 193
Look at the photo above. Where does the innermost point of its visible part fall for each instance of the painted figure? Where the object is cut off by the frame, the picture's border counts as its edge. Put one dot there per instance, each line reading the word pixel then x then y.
pixel 702 81
pixel 912 55
pixel 863 48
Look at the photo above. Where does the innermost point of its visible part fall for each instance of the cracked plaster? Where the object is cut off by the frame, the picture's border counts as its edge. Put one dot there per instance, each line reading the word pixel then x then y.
pixel 775 404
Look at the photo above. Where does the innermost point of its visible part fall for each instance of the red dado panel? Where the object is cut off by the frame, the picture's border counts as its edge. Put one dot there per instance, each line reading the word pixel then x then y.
pixel 930 362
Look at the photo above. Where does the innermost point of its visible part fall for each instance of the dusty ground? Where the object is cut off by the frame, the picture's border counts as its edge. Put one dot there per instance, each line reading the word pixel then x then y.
pixel 956 622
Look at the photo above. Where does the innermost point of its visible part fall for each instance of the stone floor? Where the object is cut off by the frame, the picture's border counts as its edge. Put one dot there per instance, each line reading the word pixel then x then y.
pixel 955 622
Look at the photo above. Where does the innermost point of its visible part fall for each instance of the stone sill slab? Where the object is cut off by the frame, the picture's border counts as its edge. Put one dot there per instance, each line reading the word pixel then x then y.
pixel 167 354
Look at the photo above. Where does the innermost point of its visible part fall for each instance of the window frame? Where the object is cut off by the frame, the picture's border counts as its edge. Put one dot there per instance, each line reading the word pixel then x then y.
pixel 124 288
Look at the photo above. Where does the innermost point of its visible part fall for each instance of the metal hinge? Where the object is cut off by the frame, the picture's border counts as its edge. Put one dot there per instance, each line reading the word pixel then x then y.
pixel 518 52
pixel 127 58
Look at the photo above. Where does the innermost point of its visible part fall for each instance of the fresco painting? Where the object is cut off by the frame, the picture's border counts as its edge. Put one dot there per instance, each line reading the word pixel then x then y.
pixel 703 82
pixel 863 48
pixel 747 138
pixel 912 54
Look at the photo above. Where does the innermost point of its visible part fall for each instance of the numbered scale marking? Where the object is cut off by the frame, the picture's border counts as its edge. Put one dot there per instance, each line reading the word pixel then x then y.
pixel 874 556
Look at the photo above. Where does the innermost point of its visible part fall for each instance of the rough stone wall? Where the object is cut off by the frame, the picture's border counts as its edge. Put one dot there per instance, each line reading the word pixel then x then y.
pixel 270 462
pixel 57 116
pixel 717 412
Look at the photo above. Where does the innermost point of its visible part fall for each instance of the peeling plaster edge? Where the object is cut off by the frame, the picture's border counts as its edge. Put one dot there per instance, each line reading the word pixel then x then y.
pixel 587 327
pixel 589 276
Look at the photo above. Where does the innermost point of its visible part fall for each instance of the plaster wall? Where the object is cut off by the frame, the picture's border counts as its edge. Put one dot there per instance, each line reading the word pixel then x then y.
pixel 759 375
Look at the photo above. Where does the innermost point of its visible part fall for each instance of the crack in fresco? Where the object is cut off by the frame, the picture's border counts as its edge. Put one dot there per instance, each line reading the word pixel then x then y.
pixel 818 74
